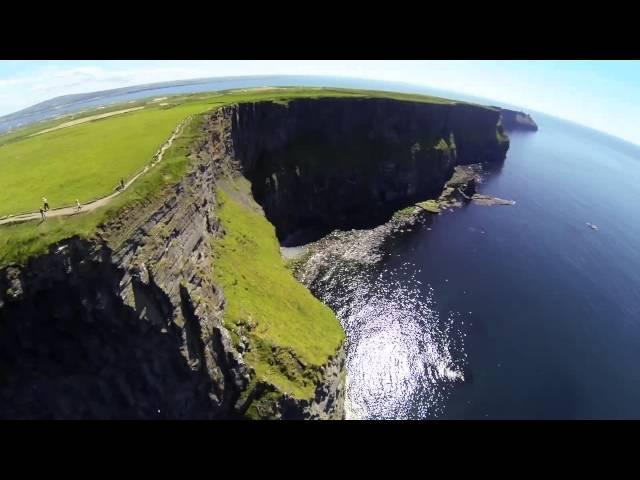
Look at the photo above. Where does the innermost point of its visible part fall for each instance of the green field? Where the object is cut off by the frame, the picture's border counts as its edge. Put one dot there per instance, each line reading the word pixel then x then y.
pixel 18 242
pixel 85 161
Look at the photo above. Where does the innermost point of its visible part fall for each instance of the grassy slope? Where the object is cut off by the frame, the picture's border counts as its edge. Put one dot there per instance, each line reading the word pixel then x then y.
pixel 290 331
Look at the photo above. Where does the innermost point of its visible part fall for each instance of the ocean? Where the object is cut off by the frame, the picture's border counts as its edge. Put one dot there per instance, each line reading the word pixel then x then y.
pixel 509 312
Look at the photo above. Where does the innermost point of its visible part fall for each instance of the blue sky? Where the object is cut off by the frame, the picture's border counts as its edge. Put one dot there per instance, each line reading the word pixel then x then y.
pixel 604 95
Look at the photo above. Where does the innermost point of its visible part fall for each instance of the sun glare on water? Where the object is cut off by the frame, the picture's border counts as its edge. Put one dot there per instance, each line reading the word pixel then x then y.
pixel 402 358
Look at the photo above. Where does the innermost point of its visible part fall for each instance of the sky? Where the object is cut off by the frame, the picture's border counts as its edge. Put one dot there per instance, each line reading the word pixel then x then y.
pixel 604 95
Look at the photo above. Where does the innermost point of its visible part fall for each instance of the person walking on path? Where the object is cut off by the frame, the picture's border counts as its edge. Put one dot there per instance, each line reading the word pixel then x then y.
pixel 42 214
pixel 77 204
pixel 45 204
pixel 122 184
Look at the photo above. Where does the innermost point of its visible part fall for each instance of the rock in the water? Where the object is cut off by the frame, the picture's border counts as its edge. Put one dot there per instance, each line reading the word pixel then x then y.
pixel 488 201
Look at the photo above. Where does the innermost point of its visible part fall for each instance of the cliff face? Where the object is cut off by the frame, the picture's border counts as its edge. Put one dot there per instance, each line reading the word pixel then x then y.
pixel 130 324
pixel 514 120
pixel 133 330
pixel 316 165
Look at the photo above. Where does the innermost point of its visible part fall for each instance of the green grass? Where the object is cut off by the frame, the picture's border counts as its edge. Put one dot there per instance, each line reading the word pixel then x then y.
pixel 18 242
pixel 291 332
pixel 85 161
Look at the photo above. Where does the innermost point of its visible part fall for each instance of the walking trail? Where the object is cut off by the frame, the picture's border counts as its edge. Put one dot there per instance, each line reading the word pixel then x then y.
pixel 101 202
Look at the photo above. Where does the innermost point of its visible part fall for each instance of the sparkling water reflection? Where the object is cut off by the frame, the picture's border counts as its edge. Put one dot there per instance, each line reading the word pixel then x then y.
pixel 402 358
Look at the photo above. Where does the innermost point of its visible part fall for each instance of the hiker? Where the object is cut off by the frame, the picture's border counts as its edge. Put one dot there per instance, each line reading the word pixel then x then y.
pixel 42 214
pixel 77 204
pixel 122 184
pixel 46 204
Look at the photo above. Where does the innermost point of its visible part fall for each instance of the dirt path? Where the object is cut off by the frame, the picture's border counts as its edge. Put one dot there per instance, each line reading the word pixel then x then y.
pixel 88 207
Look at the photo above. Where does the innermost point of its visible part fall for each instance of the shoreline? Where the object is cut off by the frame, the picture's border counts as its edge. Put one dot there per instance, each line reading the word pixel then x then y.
pixel 315 263
pixel 365 246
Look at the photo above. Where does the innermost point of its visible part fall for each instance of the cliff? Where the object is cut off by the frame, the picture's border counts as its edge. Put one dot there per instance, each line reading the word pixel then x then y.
pixel 514 120
pixel 167 312
pixel 126 325
pixel 317 165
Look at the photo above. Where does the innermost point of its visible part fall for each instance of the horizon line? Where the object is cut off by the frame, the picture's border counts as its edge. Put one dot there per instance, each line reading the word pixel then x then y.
pixel 170 83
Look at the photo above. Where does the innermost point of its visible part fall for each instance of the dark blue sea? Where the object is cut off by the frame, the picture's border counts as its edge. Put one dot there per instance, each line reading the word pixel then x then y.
pixel 510 312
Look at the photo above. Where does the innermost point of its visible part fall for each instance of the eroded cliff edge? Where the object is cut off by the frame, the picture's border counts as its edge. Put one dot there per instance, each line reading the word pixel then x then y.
pixel 131 323
pixel 318 165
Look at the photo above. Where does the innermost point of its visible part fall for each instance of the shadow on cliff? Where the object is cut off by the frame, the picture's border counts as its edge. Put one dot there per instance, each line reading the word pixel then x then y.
pixel 77 352
pixel 344 163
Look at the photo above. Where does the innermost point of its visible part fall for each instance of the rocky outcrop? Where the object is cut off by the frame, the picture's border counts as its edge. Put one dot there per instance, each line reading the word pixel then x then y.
pixel 317 165
pixel 514 120
pixel 326 404
pixel 316 263
pixel 489 201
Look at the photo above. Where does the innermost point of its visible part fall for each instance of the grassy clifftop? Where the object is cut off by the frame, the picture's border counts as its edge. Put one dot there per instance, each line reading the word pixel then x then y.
pixel 85 161
pixel 18 242
pixel 288 332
